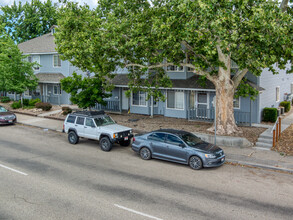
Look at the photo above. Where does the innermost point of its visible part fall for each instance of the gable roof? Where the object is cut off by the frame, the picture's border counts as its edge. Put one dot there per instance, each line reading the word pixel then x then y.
pixel 42 44
pixel 49 77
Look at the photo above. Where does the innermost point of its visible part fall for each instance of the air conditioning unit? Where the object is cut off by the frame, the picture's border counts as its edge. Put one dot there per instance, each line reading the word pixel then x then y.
pixel 279 111
pixel 282 110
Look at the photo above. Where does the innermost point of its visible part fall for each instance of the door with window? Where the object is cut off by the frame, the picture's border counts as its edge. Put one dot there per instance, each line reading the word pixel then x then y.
pixel 79 126
pixel 90 129
pixel 202 104
pixel 157 142
pixel 125 100
pixel 176 150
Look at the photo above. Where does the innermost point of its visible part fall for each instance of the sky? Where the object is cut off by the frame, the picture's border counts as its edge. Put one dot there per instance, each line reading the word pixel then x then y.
pixel 91 3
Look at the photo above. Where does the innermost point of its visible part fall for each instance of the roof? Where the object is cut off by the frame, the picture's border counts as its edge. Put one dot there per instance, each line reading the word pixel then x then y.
pixel 172 131
pixel 49 77
pixel 88 113
pixel 190 83
pixel 193 82
pixel 42 44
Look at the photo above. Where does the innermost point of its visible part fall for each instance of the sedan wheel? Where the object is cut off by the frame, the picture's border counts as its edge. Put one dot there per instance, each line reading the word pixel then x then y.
pixel 195 163
pixel 145 153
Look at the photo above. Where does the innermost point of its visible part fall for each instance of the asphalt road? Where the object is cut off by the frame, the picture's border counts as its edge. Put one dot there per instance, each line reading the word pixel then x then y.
pixel 42 176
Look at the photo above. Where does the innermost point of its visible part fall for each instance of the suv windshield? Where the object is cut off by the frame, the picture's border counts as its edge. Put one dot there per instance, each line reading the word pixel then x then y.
pixel 191 139
pixel 2 109
pixel 105 120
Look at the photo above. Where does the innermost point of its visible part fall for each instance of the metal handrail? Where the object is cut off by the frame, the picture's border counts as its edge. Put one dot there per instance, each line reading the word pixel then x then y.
pixel 277 126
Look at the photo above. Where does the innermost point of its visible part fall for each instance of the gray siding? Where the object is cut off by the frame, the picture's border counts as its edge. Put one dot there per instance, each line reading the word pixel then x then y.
pixel 269 82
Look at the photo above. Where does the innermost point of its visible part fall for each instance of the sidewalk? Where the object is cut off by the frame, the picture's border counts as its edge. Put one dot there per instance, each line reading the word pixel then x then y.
pixel 243 156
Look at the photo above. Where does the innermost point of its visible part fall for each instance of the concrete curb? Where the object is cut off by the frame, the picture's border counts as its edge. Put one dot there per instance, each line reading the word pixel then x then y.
pixel 50 129
pixel 260 166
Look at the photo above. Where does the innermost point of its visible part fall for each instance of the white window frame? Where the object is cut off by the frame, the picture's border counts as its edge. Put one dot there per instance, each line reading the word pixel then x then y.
pixel 278 96
pixel 234 99
pixel 54 61
pixel 139 105
pixel 177 69
pixel 60 91
pixel 175 100
pixel 33 59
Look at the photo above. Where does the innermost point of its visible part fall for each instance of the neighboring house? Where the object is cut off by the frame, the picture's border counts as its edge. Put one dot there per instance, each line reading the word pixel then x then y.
pixel 186 99
pixel 51 70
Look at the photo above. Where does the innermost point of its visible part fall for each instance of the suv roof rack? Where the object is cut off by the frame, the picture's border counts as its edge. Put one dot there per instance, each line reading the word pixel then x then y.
pixel 89 113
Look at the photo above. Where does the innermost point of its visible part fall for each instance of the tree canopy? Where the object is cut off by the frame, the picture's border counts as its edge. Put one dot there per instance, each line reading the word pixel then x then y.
pixel 29 20
pixel 203 36
pixel 16 74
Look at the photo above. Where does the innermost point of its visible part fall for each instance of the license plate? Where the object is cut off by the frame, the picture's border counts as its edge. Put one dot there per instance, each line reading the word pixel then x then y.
pixel 10 121
pixel 126 138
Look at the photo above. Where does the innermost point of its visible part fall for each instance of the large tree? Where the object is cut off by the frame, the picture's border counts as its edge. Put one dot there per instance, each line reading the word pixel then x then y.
pixel 29 20
pixel 204 36
pixel 16 74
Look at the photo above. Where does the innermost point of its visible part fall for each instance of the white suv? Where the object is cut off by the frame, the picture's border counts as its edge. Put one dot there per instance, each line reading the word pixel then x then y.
pixel 98 126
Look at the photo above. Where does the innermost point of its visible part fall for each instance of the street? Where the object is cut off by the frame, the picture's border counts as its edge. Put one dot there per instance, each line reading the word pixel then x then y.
pixel 42 176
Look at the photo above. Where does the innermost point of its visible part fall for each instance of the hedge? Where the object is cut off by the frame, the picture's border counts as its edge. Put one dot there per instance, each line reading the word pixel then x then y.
pixel 66 110
pixel 270 114
pixel 286 105
pixel 4 99
pixel 16 105
pixel 45 106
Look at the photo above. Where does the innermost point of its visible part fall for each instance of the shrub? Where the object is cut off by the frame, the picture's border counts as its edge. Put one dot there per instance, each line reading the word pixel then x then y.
pixel 33 102
pixel 286 105
pixel 4 99
pixel 270 114
pixel 45 106
pixel 25 102
pixel 66 110
pixel 16 105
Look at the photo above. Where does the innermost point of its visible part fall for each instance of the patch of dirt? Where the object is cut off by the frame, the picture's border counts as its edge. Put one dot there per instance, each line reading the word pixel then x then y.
pixel 285 144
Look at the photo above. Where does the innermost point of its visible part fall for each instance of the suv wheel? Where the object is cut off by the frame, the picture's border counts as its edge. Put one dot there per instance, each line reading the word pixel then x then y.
pixel 105 144
pixel 125 143
pixel 195 163
pixel 72 137
pixel 145 153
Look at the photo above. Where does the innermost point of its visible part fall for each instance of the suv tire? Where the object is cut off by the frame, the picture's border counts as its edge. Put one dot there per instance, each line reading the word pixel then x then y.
pixel 105 144
pixel 125 143
pixel 73 137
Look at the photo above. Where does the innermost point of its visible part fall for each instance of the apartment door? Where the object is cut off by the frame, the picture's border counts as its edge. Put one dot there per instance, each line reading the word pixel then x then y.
pixel 202 104
pixel 125 100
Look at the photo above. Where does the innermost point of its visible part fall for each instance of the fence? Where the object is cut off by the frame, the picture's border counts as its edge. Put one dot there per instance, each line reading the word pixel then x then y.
pixel 203 114
pixel 276 131
pixel 110 106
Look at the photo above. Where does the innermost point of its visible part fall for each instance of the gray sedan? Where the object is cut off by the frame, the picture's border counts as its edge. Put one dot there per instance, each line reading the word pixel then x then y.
pixel 178 146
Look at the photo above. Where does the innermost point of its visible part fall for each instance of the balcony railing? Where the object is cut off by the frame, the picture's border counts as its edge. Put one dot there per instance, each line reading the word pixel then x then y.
pixel 110 106
pixel 203 114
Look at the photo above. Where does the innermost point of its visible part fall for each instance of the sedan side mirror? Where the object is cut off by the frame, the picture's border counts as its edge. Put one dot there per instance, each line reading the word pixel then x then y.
pixel 181 145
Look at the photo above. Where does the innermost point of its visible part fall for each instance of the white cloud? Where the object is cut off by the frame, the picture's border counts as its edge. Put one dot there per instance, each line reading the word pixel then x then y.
pixel 91 3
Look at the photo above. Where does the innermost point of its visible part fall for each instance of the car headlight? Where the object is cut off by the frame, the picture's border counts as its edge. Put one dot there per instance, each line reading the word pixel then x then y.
pixel 115 135
pixel 212 156
pixel 130 131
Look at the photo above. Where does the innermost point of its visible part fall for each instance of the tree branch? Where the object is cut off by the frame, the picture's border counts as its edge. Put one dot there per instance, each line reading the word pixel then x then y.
pixel 284 5
pixel 238 77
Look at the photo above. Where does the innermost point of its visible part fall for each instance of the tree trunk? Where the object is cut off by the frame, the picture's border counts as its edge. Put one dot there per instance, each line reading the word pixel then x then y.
pixel 224 98
pixel 225 111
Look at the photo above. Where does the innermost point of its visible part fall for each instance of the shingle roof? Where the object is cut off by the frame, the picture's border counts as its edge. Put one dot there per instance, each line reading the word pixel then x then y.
pixel 193 82
pixel 190 83
pixel 42 44
pixel 49 77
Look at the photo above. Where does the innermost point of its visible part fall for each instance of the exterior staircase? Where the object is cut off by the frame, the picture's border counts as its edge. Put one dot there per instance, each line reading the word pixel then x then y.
pixel 265 140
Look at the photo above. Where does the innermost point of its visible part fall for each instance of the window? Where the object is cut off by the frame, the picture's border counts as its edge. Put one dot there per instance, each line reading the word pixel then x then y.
pixel 80 121
pixel 175 68
pixel 171 139
pixel 278 94
pixel 28 93
pixel 56 61
pixel 56 90
pixel 34 59
pixel 236 103
pixel 71 119
pixel 139 98
pixel 90 123
pixel 157 137
pixel 175 99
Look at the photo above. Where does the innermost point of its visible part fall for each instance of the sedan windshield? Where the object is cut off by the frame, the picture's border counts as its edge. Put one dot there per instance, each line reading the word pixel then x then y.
pixel 2 109
pixel 105 120
pixel 191 139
